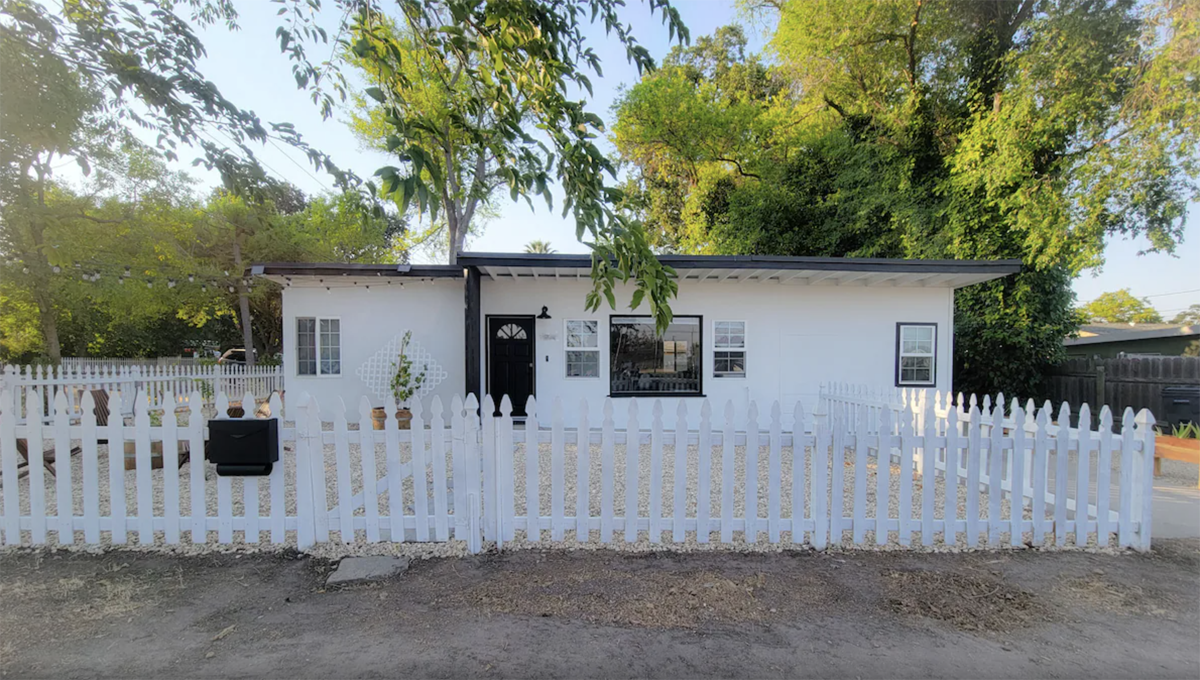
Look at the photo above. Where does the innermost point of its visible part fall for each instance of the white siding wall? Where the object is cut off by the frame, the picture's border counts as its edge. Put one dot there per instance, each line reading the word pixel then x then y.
pixel 369 319
pixel 796 337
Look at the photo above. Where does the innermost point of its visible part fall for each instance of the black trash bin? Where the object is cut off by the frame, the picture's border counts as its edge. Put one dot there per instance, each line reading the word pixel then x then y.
pixel 1180 404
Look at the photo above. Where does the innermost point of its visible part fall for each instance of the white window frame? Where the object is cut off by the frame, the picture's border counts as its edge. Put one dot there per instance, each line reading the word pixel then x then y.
pixel 901 354
pixel 718 348
pixel 567 349
pixel 317 347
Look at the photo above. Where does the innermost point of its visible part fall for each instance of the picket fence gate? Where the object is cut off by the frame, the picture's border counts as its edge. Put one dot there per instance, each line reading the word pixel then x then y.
pixel 944 473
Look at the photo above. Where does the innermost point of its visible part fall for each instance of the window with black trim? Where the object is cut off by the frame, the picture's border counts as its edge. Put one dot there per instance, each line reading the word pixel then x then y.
pixel 729 349
pixel 318 346
pixel 583 348
pixel 916 354
pixel 644 362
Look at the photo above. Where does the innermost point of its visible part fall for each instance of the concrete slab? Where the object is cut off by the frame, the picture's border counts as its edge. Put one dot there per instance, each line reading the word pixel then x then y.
pixel 371 568
pixel 1176 512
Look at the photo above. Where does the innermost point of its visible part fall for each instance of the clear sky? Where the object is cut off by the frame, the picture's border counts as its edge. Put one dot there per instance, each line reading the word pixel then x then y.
pixel 250 71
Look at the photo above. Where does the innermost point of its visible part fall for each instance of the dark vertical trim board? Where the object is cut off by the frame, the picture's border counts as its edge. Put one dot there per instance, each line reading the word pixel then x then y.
pixel 474 335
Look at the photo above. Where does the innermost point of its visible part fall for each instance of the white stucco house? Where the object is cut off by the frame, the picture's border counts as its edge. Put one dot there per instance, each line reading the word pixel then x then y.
pixel 745 328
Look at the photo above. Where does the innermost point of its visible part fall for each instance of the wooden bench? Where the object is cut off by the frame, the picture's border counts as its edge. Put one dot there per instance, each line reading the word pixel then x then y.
pixel 1174 448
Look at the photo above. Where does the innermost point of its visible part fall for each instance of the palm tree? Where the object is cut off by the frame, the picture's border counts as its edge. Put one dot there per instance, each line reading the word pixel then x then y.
pixel 542 247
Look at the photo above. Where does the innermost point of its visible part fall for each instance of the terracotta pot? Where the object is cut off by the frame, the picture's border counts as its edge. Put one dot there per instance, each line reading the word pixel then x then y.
pixel 404 418
pixel 378 418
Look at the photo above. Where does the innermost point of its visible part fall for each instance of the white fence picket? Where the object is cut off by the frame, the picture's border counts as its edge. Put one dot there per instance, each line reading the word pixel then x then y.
pixel 704 475
pixel 752 473
pixel 366 449
pixel 727 480
pixel 656 471
pixel 37 470
pixel 420 472
pixel 8 468
pixel 1083 476
pixel 64 493
pixel 633 475
pixel 558 489
pixel 533 500
pixel 170 447
pixel 437 450
pixel 775 474
pixel 608 510
pixel 583 471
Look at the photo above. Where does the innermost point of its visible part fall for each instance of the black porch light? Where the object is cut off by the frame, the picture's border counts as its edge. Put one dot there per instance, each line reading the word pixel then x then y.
pixel 545 313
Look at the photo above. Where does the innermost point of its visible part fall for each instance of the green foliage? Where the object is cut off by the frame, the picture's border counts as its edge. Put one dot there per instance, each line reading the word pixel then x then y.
pixel 1120 307
pixel 406 383
pixel 1031 129
pixel 537 246
pixel 482 89
pixel 1188 317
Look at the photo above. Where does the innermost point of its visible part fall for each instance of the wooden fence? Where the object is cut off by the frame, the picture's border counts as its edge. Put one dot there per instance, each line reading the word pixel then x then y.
pixel 838 478
pixel 1134 382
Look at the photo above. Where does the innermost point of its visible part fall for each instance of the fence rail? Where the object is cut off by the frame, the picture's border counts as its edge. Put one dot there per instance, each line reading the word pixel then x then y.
pixel 155 381
pixel 863 473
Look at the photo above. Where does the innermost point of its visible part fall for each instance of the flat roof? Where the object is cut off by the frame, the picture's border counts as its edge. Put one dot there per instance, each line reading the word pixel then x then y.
pixel 834 271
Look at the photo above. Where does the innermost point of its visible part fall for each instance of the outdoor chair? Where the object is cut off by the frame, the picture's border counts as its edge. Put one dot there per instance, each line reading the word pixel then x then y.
pixel 100 397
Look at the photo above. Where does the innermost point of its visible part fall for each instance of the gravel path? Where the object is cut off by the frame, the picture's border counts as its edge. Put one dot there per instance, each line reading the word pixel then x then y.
pixel 359 545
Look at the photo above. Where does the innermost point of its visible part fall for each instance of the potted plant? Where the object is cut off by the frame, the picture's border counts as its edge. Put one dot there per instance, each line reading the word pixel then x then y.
pixel 406 382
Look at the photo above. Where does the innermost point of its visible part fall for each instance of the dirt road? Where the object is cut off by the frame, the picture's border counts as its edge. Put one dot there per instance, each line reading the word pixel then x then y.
pixel 590 614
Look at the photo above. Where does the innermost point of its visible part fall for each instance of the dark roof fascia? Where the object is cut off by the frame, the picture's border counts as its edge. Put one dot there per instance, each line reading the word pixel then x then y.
pixel 341 269
pixel 756 262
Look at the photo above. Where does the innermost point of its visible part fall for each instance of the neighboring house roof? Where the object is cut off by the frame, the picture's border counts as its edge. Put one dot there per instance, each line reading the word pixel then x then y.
pixel 762 268
pixel 1098 333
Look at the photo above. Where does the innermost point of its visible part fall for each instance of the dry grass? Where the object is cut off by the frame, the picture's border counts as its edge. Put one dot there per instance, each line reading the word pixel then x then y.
pixel 970 603
pixel 596 592
pixel 1095 591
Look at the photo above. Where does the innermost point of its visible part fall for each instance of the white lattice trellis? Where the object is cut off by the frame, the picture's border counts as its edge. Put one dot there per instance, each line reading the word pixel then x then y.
pixel 378 370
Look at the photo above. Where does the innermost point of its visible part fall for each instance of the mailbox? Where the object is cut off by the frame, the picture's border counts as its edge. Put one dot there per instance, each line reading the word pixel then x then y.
pixel 243 447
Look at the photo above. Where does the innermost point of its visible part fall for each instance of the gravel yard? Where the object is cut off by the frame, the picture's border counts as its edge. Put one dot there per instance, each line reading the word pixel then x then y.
pixel 239 486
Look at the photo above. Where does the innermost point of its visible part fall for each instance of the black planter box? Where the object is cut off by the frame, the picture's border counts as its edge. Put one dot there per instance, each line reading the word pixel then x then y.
pixel 243 447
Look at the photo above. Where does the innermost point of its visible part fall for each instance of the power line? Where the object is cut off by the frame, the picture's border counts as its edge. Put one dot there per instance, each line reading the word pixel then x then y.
pixel 1178 292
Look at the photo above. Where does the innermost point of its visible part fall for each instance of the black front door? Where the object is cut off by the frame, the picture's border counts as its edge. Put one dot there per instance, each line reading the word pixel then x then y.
pixel 511 360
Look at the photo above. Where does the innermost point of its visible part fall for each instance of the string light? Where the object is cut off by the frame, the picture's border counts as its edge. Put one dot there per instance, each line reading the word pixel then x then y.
pixel 56 269
pixel 191 278
pixel 170 283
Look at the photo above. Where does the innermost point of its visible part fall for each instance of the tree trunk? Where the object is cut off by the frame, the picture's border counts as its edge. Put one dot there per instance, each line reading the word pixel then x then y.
pixel 49 322
pixel 243 301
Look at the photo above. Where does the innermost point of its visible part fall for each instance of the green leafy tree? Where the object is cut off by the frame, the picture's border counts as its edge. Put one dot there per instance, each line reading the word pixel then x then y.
pixel 503 73
pixel 1021 129
pixel 1188 317
pixel 1120 307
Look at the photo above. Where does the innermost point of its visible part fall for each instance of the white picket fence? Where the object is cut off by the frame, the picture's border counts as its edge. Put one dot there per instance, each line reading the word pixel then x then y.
pixel 156 381
pixel 90 363
pixel 818 480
